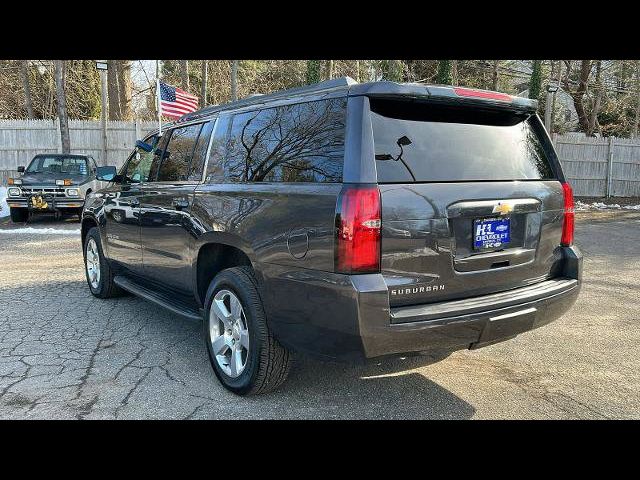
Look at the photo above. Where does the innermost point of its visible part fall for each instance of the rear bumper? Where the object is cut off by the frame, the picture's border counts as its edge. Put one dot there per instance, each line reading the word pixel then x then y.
pixel 471 323
pixel 342 316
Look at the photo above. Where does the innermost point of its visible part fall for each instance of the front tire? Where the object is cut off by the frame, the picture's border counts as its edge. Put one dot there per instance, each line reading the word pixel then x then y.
pixel 19 215
pixel 245 356
pixel 98 271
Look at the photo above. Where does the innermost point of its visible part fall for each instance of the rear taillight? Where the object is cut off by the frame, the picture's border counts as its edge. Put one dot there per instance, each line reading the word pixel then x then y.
pixel 569 216
pixel 471 92
pixel 358 224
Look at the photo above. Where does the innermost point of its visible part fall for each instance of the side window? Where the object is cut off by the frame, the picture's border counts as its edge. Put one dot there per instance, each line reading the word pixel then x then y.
pixel 139 164
pixel 215 166
pixel 178 154
pixel 292 143
pixel 200 152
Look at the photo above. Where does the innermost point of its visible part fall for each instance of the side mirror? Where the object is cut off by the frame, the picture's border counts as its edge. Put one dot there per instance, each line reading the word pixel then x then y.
pixel 106 174
pixel 21 169
pixel 143 146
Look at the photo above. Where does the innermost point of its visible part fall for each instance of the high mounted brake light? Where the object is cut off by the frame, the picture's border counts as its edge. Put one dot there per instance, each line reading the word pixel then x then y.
pixel 569 216
pixel 471 92
pixel 358 222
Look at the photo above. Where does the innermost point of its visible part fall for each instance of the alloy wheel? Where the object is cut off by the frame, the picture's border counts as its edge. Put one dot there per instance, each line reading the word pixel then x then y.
pixel 229 334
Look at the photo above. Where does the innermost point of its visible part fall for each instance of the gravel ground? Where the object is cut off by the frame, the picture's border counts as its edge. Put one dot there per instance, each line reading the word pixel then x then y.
pixel 65 354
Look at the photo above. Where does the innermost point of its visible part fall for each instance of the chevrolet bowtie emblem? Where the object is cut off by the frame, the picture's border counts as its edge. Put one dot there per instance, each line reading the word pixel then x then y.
pixel 503 208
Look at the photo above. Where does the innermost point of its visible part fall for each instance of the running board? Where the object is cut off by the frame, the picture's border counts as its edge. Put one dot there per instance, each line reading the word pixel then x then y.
pixel 166 300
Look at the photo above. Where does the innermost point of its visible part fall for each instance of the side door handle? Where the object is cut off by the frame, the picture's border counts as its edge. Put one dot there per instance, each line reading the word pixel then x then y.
pixel 180 203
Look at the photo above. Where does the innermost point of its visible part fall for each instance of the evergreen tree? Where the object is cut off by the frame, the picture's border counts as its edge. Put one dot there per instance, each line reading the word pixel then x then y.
pixel 444 72
pixel 313 71
pixel 535 82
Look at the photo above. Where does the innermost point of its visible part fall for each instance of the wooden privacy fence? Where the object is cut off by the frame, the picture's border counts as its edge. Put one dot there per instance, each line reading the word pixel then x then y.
pixel 600 167
pixel 20 140
pixel 595 167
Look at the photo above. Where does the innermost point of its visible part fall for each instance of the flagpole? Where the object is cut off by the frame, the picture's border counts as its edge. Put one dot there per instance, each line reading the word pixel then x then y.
pixel 158 98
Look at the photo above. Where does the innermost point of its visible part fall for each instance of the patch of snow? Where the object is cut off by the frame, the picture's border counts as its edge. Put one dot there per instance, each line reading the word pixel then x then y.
pixel 39 231
pixel 581 206
pixel 4 208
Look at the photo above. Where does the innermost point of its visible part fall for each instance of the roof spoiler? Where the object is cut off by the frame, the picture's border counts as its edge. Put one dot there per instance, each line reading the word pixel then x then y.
pixel 446 94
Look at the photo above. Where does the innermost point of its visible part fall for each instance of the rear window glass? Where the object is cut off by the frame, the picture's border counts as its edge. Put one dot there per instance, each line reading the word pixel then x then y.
pixel 417 142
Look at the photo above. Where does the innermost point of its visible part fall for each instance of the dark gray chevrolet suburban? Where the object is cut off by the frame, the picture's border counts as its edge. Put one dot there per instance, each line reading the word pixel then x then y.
pixel 341 219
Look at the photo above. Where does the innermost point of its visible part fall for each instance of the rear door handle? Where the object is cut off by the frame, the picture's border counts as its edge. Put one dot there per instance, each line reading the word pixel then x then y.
pixel 179 203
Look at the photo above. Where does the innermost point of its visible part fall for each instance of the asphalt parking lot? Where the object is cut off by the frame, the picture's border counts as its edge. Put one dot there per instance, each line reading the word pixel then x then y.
pixel 65 354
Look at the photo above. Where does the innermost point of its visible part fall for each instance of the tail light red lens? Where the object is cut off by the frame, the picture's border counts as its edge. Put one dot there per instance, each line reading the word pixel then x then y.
pixel 569 216
pixel 470 92
pixel 358 223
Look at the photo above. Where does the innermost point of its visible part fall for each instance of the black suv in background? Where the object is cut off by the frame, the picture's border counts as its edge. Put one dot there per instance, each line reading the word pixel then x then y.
pixel 341 219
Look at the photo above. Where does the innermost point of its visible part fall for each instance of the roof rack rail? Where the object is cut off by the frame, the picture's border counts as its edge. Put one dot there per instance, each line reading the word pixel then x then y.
pixel 336 83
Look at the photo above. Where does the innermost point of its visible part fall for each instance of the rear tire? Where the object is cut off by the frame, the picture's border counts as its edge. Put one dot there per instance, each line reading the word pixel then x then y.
pixel 97 270
pixel 19 215
pixel 264 364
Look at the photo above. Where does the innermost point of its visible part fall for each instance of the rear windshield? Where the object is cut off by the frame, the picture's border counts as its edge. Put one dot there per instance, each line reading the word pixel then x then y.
pixel 418 142
pixel 66 165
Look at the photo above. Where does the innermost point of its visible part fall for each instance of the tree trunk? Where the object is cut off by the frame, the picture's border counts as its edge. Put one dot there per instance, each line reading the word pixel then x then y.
pixel 184 74
pixel 637 121
pixel 204 75
pixel 579 93
pixel 454 72
pixel 234 80
pixel 113 90
pixel 494 78
pixel 28 105
pixel 329 75
pixel 358 71
pixel 593 117
pixel 555 95
pixel 62 107
pixel 124 89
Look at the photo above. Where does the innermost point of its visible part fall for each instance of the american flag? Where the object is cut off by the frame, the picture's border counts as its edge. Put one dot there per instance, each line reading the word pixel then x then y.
pixel 175 102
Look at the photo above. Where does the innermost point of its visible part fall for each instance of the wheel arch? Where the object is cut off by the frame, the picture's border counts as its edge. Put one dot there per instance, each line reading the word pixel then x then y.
pixel 87 224
pixel 214 255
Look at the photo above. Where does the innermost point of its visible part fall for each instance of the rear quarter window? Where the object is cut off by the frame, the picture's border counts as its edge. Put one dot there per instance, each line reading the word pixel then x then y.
pixel 301 142
pixel 419 142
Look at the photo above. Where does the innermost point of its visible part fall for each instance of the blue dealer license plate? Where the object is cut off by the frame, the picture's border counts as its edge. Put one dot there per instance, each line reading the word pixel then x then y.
pixel 491 233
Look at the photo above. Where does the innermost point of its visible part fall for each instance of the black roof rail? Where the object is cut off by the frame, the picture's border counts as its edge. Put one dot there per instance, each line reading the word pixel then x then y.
pixel 327 85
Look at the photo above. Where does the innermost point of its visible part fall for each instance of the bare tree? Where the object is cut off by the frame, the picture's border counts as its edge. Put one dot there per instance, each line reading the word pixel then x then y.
pixel 184 74
pixel 28 105
pixel 204 74
pixel 329 71
pixel 593 117
pixel 234 80
pixel 579 92
pixel 494 77
pixel 62 106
